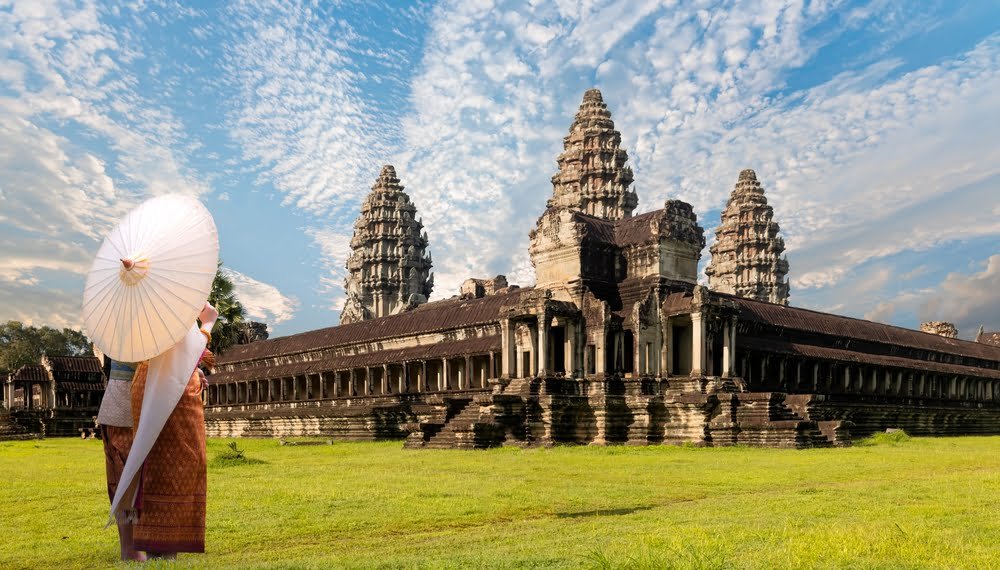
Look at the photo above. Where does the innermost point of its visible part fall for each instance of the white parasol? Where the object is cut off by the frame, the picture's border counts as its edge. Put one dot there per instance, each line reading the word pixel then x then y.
pixel 150 278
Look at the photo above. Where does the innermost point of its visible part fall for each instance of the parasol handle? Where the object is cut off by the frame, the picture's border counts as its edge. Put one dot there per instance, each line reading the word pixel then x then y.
pixel 128 264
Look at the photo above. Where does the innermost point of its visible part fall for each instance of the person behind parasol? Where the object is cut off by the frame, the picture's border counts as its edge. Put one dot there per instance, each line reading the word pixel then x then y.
pixel 147 286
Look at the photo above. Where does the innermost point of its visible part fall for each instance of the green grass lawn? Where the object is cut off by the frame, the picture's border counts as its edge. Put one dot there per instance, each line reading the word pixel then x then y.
pixel 913 504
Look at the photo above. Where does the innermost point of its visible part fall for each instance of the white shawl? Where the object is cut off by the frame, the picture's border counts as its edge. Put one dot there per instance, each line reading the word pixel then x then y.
pixel 166 378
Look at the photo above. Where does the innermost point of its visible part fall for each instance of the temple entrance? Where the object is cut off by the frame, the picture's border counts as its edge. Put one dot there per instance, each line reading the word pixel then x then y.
pixel 556 349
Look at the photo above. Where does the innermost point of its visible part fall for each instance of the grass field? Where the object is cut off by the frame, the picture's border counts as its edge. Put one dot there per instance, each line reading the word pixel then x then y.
pixel 909 504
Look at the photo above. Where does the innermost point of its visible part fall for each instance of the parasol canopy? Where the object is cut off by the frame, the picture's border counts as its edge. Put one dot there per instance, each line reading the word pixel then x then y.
pixel 151 278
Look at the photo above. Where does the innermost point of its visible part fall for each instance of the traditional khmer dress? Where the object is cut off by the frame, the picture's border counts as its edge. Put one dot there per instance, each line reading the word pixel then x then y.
pixel 165 478
pixel 173 481
pixel 115 419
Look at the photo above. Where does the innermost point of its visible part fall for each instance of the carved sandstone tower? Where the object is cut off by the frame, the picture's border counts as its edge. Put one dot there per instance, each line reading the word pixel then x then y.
pixel 592 175
pixel 747 255
pixel 389 266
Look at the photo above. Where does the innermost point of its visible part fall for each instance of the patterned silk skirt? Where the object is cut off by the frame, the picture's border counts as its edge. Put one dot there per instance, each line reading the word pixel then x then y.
pixel 117 443
pixel 173 480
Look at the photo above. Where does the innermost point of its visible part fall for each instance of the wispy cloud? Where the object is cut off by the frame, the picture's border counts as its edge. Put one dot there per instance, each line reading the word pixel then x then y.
pixel 79 145
pixel 334 247
pixel 698 95
pixel 300 112
pixel 262 301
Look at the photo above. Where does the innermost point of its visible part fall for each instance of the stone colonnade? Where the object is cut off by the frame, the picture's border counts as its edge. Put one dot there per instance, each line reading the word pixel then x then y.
pixel 468 372
pixel 47 397
pixel 791 374
pixel 546 345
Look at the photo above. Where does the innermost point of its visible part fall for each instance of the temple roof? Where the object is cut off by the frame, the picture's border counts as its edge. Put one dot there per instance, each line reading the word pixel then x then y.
pixel 74 364
pixel 437 316
pixel 676 219
pixel 848 327
pixel 30 373
pixel 783 346
pixel 470 346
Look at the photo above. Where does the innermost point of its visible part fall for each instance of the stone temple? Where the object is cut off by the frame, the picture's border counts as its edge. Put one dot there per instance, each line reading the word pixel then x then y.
pixel 615 343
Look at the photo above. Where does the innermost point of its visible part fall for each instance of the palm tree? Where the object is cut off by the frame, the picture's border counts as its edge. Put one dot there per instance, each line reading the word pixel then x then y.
pixel 225 333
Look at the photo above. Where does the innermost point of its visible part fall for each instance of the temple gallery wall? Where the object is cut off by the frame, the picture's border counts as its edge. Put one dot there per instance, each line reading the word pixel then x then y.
pixel 615 343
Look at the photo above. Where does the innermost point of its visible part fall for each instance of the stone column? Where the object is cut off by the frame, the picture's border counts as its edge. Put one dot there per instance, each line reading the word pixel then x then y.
pixel 697 344
pixel 422 380
pixel 445 375
pixel 404 374
pixel 508 361
pixel 666 348
pixel 492 369
pixel 385 379
pixel 543 344
pixel 467 375
pixel 368 381
pixel 600 352
pixel 533 364
pixel 569 350
pixel 727 350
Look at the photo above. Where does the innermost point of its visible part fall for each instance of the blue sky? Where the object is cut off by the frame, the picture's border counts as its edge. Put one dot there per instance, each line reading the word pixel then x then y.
pixel 872 126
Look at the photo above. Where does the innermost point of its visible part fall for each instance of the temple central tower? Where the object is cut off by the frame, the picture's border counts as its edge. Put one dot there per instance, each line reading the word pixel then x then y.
pixel 747 254
pixel 593 177
pixel 389 266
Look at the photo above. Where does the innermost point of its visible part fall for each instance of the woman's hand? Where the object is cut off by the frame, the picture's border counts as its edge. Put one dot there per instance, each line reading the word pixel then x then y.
pixel 203 379
pixel 208 316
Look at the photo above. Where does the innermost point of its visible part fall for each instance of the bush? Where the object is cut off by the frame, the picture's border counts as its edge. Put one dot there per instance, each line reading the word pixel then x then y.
pixel 233 456
pixel 889 438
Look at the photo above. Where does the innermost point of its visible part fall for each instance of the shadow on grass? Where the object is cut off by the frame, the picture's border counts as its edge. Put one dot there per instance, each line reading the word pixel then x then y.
pixel 603 512
pixel 225 461
pixel 233 456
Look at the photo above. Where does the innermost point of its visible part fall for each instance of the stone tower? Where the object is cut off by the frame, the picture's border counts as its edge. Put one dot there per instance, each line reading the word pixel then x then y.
pixel 389 266
pixel 593 177
pixel 747 255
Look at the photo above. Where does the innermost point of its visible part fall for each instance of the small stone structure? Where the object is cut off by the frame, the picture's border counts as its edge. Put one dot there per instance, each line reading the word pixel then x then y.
pixel 389 266
pixel 476 288
pixel 57 397
pixel 988 337
pixel 747 254
pixel 616 343
pixel 251 331
pixel 940 328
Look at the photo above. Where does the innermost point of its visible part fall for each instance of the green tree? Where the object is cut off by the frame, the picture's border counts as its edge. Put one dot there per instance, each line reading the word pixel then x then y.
pixel 20 344
pixel 225 333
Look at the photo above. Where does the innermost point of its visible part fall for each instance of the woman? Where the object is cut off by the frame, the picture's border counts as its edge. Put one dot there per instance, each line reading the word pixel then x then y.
pixel 115 419
pixel 171 485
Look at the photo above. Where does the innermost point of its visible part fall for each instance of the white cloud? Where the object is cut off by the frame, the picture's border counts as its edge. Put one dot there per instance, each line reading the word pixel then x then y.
pixel 79 146
pixel 299 113
pixel 855 165
pixel 335 247
pixel 968 300
pixel 262 301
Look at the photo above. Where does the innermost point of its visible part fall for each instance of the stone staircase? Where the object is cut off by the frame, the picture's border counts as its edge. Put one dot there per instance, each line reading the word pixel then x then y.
pixel 11 430
pixel 677 410
pixel 434 424
pixel 763 419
